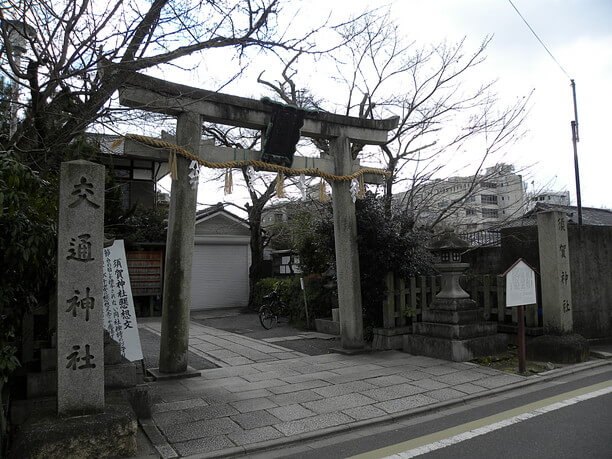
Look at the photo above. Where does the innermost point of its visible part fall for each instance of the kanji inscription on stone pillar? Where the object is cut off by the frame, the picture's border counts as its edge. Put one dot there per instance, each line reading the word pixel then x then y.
pixel 80 346
pixel 555 273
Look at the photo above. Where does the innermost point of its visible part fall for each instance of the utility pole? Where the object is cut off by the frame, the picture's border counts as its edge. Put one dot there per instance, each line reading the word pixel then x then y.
pixel 575 139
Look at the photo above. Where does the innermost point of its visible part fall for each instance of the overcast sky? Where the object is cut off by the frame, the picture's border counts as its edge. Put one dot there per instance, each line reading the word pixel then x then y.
pixel 577 32
pixel 579 35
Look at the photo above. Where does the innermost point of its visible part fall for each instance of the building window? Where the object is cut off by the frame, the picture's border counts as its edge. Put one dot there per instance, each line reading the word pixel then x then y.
pixel 488 199
pixel 488 185
pixel 470 212
pixel 471 199
pixel 490 213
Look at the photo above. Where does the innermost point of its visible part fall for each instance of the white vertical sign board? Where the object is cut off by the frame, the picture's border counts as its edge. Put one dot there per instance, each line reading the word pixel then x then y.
pixel 520 285
pixel 119 315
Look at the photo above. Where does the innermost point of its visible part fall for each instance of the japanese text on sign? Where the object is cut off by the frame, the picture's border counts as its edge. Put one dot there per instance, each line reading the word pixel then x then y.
pixel 119 316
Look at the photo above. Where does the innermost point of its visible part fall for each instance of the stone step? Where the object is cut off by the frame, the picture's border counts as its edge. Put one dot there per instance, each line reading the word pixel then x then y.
pixel 455 350
pixel 451 331
pixel 327 326
pixel 453 317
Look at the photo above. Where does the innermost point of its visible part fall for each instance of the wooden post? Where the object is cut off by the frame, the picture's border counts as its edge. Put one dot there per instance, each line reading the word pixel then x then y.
pixel 433 288
pixel 501 300
pixel 402 303
pixel 521 338
pixel 413 294
pixel 179 250
pixel 423 282
pixel 389 303
pixel 486 287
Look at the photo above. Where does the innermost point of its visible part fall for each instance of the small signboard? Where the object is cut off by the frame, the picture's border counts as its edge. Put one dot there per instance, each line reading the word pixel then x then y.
pixel 520 284
pixel 145 272
pixel 119 315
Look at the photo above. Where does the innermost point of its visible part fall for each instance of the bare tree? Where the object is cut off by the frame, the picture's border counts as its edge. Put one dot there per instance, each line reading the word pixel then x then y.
pixel 79 52
pixel 442 111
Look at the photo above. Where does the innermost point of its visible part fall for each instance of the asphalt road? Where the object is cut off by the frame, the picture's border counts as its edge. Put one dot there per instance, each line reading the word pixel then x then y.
pixel 581 430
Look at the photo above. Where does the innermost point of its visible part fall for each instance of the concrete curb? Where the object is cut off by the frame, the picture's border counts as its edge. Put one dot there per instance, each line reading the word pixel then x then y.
pixel 535 379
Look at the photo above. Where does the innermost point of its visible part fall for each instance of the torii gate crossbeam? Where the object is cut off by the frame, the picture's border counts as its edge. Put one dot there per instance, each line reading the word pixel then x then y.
pixel 192 106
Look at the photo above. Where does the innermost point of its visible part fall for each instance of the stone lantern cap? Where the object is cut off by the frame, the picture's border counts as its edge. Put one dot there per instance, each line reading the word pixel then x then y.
pixel 448 247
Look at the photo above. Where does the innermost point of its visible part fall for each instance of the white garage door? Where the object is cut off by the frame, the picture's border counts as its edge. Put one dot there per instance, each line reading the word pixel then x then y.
pixel 219 276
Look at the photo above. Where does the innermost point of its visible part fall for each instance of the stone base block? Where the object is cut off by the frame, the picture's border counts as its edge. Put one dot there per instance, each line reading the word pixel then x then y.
pixel 571 348
pixel 455 332
pixel 341 350
pixel 453 317
pixel 44 384
pixel 327 326
pixel 455 350
pixel 159 376
pixel 386 339
pixel 43 434
pixel 513 329
pixel 453 304
pixel 122 376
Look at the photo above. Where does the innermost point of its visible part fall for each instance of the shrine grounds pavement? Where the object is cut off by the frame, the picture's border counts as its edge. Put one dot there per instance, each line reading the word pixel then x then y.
pixel 264 395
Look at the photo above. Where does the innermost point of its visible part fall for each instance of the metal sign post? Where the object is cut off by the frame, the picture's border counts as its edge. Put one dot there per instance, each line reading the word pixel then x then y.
pixel 521 292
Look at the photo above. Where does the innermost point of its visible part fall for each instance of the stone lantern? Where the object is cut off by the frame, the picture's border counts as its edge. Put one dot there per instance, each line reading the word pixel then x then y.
pixel 453 326
pixel 448 248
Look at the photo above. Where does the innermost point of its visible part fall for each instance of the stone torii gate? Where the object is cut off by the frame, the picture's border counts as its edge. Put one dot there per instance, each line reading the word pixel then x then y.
pixel 191 107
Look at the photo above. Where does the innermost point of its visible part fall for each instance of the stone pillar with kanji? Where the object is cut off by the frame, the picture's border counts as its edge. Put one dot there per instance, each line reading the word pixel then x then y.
pixel 80 343
pixel 555 273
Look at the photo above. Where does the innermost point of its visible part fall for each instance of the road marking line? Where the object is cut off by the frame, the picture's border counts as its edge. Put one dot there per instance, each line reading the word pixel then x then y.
pixel 457 434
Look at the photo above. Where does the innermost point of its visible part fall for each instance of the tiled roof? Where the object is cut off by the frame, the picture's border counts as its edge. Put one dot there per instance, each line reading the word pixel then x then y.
pixel 590 215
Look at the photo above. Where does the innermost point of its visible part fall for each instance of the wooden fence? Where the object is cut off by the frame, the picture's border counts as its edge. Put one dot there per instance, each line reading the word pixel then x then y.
pixel 406 299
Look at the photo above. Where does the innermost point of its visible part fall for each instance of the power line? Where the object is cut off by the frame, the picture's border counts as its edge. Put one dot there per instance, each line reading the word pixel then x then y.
pixel 538 38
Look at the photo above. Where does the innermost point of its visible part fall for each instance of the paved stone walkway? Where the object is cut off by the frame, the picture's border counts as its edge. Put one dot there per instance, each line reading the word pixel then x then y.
pixel 225 348
pixel 264 393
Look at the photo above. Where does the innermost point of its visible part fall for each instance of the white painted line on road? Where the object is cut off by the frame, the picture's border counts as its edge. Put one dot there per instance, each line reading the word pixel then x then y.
pixel 457 434
pixel 498 425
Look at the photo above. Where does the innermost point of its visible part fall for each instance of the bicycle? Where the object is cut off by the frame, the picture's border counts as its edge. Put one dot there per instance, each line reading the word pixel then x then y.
pixel 269 312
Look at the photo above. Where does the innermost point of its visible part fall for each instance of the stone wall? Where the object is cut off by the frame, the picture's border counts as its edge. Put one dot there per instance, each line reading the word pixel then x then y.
pixel 590 249
pixel 520 242
pixel 484 260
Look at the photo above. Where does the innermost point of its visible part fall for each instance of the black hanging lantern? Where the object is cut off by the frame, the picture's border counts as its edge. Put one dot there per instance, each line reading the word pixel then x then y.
pixel 282 134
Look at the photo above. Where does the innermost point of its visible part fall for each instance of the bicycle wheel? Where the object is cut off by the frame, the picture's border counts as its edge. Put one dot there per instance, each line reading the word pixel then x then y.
pixel 267 317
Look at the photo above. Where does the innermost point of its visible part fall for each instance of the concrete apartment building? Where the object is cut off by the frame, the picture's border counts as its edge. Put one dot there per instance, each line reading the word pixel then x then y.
pixel 558 198
pixel 475 202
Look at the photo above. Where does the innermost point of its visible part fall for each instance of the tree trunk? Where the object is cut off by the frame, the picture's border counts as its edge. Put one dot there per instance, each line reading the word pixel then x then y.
pixel 256 270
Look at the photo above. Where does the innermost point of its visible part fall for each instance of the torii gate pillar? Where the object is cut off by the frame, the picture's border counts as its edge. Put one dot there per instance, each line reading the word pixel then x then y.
pixel 179 251
pixel 156 95
pixel 347 255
